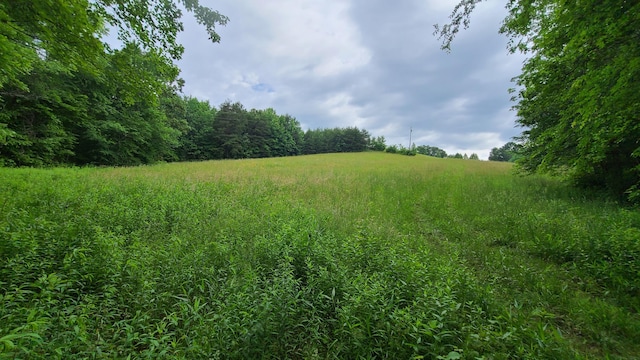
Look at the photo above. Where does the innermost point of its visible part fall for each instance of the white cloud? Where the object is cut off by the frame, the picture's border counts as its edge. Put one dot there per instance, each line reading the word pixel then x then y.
pixel 312 38
pixel 340 107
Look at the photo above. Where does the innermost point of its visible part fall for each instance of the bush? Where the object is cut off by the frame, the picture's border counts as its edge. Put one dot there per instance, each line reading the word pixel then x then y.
pixel 391 149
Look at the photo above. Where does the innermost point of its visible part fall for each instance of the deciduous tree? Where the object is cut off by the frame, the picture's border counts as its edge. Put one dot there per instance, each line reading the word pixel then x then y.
pixel 69 32
pixel 579 91
pixel 431 151
pixel 508 152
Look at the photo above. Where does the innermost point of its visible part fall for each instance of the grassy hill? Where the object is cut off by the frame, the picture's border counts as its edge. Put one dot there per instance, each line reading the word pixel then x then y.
pixel 365 255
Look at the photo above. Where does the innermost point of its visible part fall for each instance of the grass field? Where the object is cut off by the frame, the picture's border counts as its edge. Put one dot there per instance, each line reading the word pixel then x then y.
pixel 365 255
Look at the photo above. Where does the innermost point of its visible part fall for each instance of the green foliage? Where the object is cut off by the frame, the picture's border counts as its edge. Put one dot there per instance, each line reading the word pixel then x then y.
pixel 377 143
pixel 583 120
pixel 81 118
pixel 578 97
pixel 68 32
pixel 237 133
pixel 36 121
pixel 431 151
pixel 230 135
pixel 74 118
pixel 363 255
pixel 399 149
pixel 392 149
pixel 197 142
pixel 287 136
pixel 336 140
pixel 67 98
pixel 134 127
pixel 507 152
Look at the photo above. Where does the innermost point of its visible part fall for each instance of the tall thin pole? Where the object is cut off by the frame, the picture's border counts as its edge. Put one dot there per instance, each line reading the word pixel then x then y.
pixel 410 132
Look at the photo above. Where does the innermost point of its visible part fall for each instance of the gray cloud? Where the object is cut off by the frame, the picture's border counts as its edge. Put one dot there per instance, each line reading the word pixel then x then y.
pixel 368 63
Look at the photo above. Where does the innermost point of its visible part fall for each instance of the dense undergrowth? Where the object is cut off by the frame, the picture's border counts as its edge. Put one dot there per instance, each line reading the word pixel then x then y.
pixel 366 255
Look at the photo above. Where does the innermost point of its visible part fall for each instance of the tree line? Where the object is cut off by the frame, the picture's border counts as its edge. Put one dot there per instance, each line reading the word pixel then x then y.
pixel 67 98
pixel 437 152
pixel 232 132
pixel 82 118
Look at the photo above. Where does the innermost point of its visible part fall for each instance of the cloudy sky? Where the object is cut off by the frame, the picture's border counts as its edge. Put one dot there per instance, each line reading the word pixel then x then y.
pixel 374 64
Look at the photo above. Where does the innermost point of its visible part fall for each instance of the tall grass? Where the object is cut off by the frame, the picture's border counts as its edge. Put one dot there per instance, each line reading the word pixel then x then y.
pixel 366 255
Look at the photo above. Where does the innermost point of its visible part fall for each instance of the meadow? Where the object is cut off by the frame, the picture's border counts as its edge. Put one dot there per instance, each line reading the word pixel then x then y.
pixel 336 256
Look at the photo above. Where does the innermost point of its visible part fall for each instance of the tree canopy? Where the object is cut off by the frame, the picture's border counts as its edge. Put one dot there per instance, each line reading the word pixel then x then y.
pixel 578 96
pixel 507 152
pixel 62 88
pixel 69 32
pixel 350 139
pixel 431 151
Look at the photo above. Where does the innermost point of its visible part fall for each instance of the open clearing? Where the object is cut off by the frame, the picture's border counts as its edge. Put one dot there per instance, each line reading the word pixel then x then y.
pixel 362 255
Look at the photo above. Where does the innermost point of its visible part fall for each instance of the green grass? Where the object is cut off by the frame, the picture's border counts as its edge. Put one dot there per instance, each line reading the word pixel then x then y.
pixel 367 255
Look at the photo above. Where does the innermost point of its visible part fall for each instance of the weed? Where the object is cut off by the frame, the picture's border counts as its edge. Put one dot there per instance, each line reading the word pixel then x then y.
pixel 368 255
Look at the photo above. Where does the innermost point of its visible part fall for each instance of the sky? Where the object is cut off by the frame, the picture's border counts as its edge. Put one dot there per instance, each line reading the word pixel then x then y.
pixel 374 64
